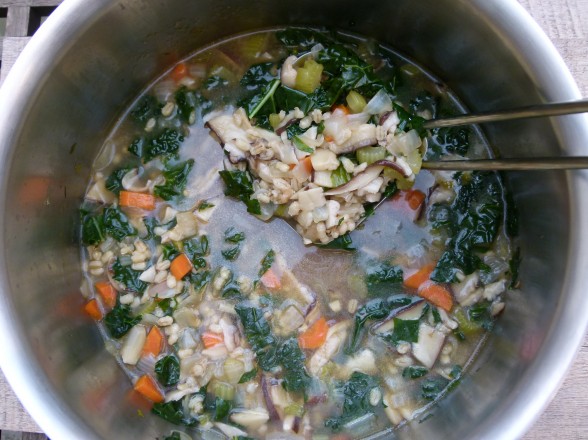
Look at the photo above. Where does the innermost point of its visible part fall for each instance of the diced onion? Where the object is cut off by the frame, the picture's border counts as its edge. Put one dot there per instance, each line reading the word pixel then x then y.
pixel 234 369
pixel 379 104
pixel 131 349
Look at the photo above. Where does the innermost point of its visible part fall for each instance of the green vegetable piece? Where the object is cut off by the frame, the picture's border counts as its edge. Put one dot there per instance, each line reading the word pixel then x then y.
pixel 174 435
pixel 340 176
pixel 199 279
pixel 166 144
pixel 169 251
pixel 146 108
pixel 298 143
pixel 176 178
pixel 343 243
pixel 258 101
pixel 239 184
pixel 119 320
pixel 168 370
pixel 128 277
pixel 246 377
pixel 267 262
pixel 481 315
pixel 409 121
pixel 404 330
pixel 116 224
pixel 259 336
pixel 383 273
pixel 114 181
pixel 92 232
pixel 174 413
pixel 205 205
pixel 233 236
pixel 187 102
pixel 452 139
pixel 137 146
pixel 370 155
pixel 232 253
pixel 414 372
pixel 291 357
pixel 356 401
pixel 167 306
pixel 432 388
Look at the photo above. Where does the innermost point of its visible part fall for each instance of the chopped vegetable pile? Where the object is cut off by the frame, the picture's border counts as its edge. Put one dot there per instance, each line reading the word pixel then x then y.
pixel 232 326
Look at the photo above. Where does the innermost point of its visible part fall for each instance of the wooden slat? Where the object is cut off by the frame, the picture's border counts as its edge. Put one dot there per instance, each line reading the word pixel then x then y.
pixel 12 415
pixel 11 49
pixel 5 3
pixel 17 21
pixel 16 435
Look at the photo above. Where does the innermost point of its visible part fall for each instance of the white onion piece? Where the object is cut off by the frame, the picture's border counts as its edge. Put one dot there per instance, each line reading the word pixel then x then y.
pixel 357 119
pixel 250 418
pixel 157 290
pixel 178 394
pixel 267 211
pixel 130 351
pixel 380 103
pixel 371 173
pixel 314 51
pixel 147 363
pixel 164 89
pixel 230 431
pixel 334 125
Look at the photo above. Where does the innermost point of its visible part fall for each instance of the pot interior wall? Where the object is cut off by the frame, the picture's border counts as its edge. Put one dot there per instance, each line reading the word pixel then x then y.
pixel 127 45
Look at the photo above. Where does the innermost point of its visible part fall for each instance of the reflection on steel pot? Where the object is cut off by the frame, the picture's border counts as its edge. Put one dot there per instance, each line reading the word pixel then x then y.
pixel 91 59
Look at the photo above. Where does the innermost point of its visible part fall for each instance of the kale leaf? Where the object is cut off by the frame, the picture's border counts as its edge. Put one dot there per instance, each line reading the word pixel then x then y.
pixel 404 330
pixel 478 208
pixel 451 140
pixel 414 372
pixel 129 277
pixel 188 102
pixel 343 243
pixel 267 261
pixel 196 249
pixel 232 253
pixel 233 236
pixel 92 229
pixel 119 320
pixel 174 413
pixel 146 108
pixel 356 401
pixel 259 335
pixel 409 121
pixel 176 178
pixel 378 308
pixel 165 144
pixel 291 357
pixel 114 181
pixel 431 388
pixel 383 273
pixel 116 224
pixel 246 377
pixel 168 370
pixel 239 184
pixel 480 314
pixel 302 39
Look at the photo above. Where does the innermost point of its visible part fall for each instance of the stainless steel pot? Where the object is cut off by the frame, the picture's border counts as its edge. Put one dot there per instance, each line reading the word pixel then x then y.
pixel 93 56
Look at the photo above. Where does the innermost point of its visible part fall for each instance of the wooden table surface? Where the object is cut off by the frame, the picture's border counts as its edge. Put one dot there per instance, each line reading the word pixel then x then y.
pixel 564 21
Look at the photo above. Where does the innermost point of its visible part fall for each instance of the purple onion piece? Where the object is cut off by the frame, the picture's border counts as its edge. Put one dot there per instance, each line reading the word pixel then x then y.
pixel 283 128
pixel 296 425
pixel 271 408
pixel 362 179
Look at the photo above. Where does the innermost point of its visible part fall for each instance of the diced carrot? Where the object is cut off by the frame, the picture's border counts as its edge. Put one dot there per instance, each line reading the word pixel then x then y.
pixel 307 164
pixel 153 343
pixel 179 72
pixel 137 200
pixel 210 339
pixel 415 198
pixel 271 280
pixel 107 292
pixel 315 336
pixel 92 308
pixel 436 294
pixel 340 109
pixel 415 280
pixel 180 266
pixel 147 386
pixel 329 138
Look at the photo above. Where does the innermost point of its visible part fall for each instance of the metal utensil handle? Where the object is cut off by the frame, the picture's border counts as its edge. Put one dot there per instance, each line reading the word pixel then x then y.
pixel 533 111
pixel 518 164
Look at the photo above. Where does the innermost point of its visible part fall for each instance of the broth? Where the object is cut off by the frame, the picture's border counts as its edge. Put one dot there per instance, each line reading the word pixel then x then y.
pixel 261 335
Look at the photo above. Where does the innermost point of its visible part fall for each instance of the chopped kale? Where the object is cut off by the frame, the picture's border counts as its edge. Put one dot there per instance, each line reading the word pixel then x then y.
pixel 205 205
pixel 214 82
pixel 259 335
pixel 300 145
pixel 356 401
pixel 168 370
pixel 173 412
pixel 302 39
pixel 390 190
pixel 146 108
pixel 378 308
pixel 481 315
pixel 150 225
pixel 267 262
pixel 167 306
pixel 409 121
pixel 137 146
pixel 383 273
pixel 424 102
pixel 92 229
pixel 233 236
pixel 414 372
pixel 176 178
pixel 116 224
pixel 169 251
pixel 246 377
pixel 451 140
pixel 174 435
pixel 291 358
pixel 294 130
pixel 219 408
pixel 404 330
pixel 261 83
pixel 196 249
pixel 114 181
pixel 119 320
pixel 232 253
pixel 431 388
pixel 188 101
pixel 478 208
pixel 343 243
pixel 199 279
pixel 239 184
pixel 166 144
pixel 128 277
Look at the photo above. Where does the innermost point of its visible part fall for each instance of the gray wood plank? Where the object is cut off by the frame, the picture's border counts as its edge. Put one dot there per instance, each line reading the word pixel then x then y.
pixel 16 435
pixel 5 3
pixel 17 21
pixel 11 49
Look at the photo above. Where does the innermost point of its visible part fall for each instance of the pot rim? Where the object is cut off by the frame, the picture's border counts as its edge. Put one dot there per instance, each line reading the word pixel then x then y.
pixel 540 59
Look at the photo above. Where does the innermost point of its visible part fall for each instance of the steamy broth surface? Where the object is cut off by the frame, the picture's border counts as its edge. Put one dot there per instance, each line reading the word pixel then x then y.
pixel 238 324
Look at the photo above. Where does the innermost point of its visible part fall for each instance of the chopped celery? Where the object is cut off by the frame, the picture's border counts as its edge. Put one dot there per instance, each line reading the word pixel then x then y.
pixel 465 325
pixel 282 211
pixel 355 101
pixel 340 176
pixel 274 120
pixel 224 390
pixel 253 46
pixel 370 155
pixel 415 161
pixel 308 78
pixel 401 182
pixel 233 369
pixel 294 409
